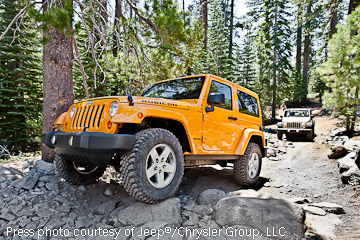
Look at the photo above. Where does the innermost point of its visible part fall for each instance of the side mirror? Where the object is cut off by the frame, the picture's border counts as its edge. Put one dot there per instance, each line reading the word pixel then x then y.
pixel 215 99
pixel 312 115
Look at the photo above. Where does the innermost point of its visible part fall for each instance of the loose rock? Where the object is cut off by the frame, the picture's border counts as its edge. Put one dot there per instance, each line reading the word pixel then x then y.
pixel 260 212
pixel 347 176
pixel 337 152
pixel 314 210
pixel 168 211
pixel 27 182
pixel 274 159
pixel 346 163
pixel 7 173
pixel 352 145
pixel 300 200
pixel 45 167
pixel 210 196
pixel 329 207
pixel 107 207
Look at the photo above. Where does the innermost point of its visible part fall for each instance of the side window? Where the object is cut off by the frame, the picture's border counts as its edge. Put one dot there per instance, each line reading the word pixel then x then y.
pixel 248 104
pixel 217 87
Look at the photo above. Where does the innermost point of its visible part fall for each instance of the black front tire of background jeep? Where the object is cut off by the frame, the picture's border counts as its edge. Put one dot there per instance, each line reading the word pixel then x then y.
pixel 279 135
pixel 78 174
pixel 152 171
pixel 310 136
pixel 244 171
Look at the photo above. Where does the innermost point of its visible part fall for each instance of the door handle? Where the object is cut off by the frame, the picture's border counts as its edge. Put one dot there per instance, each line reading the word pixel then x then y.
pixel 232 118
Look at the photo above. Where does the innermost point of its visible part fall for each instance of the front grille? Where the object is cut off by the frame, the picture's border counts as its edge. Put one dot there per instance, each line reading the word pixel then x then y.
pixel 293 125
pixel 87 116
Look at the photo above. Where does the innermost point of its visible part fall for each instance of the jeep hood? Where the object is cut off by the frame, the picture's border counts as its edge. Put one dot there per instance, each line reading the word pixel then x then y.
pixel 146 101
pixel 295 119
pixel 157 102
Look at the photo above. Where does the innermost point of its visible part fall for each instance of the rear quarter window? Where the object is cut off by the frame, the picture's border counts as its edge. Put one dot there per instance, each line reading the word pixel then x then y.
pixel 248 104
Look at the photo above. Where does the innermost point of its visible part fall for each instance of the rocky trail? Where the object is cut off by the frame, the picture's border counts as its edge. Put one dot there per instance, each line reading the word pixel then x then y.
pixel 300 195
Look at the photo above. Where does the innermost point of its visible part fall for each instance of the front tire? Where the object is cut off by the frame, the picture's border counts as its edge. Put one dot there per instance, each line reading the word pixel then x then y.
pixel 76 173
pixel 279 135
pixel 152 171
pixel 310 136
pixel 247 168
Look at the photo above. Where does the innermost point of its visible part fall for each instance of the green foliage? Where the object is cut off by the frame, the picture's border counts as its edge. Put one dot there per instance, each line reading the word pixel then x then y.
pixel 341 71
pixel 217 59
pixel 144 54
pixel 59 15
pixel 20 82
pixel 273 49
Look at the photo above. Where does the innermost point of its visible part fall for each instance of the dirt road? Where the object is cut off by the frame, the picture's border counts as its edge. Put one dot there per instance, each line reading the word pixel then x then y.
pixel 305 171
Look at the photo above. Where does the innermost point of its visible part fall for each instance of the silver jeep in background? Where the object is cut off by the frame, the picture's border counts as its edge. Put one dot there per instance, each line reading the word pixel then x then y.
pixel 296 121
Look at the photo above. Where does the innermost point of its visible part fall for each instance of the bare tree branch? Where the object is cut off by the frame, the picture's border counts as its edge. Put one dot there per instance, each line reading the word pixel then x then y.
pixel 21 13
pixel 146 20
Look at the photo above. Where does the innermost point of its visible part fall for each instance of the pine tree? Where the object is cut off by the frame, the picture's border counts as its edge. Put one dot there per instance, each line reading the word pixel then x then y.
pixel 20 82
pixel 274 60
pixel 341 70
pixel 246 62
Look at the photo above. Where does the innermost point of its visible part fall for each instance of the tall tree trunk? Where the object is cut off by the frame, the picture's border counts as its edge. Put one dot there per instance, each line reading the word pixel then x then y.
pixel 298 48
pixel 352 5
pixel 57 79
pixel 352 128
pixel 274 84
pixel 333 18
pixel 231 28
pixel 306 51
pixel 103 10
pixel 333 22
pixel 118 10
pixel 183 6
pixel 204 16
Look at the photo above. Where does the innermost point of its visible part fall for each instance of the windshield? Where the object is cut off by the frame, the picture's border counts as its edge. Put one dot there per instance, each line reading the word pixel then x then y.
pixel 184 88
pixel 296 113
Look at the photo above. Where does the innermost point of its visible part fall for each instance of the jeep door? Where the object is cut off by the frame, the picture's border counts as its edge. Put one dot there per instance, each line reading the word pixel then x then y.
pixel 219 127
pixel 247 111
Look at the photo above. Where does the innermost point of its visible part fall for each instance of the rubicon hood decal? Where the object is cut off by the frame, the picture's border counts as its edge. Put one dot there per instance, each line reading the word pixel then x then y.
pixel 161 102
pixel 169 104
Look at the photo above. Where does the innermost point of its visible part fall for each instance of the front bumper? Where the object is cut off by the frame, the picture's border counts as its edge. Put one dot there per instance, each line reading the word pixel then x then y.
pixel 88 147
pixel 294 130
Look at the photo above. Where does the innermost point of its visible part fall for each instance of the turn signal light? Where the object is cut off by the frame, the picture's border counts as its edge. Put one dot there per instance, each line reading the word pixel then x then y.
pixel 109 125
pixel 140 115
pixel 65 125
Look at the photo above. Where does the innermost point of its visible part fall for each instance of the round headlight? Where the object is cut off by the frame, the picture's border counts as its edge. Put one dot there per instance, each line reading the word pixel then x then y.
pixel 113 108
pixel 72 112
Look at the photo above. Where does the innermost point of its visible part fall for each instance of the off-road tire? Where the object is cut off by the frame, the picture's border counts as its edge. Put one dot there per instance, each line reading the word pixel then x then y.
pixel 133 166
pixel 280 135
pixel 241 172
pixel 68 172
pixel 310 136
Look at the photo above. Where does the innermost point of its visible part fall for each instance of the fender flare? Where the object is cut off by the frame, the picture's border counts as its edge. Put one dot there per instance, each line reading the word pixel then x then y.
pixel 60 120
pixel 245 139
pixel 132 117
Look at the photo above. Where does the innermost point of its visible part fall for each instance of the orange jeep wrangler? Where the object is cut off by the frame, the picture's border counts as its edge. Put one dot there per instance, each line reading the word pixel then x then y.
pixel 188 121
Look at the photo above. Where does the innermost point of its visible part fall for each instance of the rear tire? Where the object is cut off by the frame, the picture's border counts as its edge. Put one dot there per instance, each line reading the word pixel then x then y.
pixel 247 168
pixel 152 171
pixel 280 135
pixel 78 174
